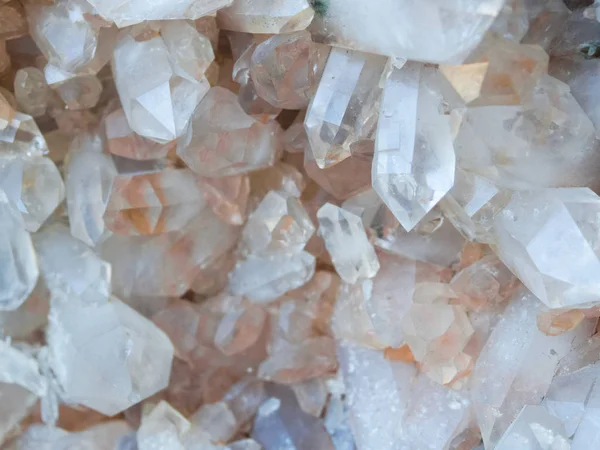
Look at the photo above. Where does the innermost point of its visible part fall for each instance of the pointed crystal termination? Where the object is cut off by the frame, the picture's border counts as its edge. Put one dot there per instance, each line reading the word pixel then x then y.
pixel 344 111
pixel 500 72
pixel 501 386
pixel 106 347
pixel 20 271
pixel 530 146
pixel 286 69
pixel 131 12
pixel 152 76
pixel 89 177
pixel 33 186
pixel 279 225
pixel 440 33
pixel 153 202
pixel 413 165
pixel 223 140
pixel 538 225
pixel 535 428
pixel 70 267
pixel 281 424
pixel 346 240
pixel 264 279
pixel 266 16
pixel 472 204
pixel 55 28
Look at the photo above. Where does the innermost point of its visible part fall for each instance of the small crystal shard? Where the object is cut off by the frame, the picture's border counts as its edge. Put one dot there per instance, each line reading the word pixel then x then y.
pixel 284 81
pixel 345 238
pixel 535 227
pixel 223 140
pixel 343 112
pixel 266 16
pixel 413 166
pixel 158 94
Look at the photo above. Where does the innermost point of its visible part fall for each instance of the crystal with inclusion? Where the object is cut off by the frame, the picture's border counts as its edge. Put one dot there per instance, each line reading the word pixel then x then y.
pixel 280 424
pixel 279 225
pixel 535 227
pixel 20 271
pixel 22 136
pixel 33 186
pixel 31 91
pixel 89 177
pixel 500 72
pixel 69 38
pixel 264 279
pixel 69 267
pixel 413 165
pixel 228 197
pixel 285 69
pixel 343 112
pixel 123 141
pixel 346 240
pixel 281 177
pixel 442 32
pixel 105 355
pixel 266 16
pixel 501 385
pixel 20 368
pixel 130 12
pixel 472 204
pixel 158 91
pixel 535 429
pixel 530 145
pixel 153 202
pixel 223 140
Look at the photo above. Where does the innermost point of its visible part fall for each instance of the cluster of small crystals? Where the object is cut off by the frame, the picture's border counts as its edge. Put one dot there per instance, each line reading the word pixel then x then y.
pixel 299 224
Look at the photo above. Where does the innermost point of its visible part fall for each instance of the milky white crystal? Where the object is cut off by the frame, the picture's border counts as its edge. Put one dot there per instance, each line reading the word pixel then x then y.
pixel 266 16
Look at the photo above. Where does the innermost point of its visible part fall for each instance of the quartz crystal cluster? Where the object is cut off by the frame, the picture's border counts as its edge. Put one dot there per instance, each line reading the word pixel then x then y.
pixel 299 224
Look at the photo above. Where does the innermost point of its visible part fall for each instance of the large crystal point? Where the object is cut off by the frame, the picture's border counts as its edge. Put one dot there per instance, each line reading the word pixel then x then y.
pixel 502 385
pixel 33 186
pixel 534 428
pixel 130 12
pixel 153 202
pixel 105 355
pixel 443 32
pixel 89 177
pixel 285 69
pixel 278 225
pixel 413 166
pixel 19 272
pixel 548 239
pixel 343 112
pixel 223 140
pixel 346 240
pixel 266 16
pixel 530 145
pixel 156 88
pixel 69 38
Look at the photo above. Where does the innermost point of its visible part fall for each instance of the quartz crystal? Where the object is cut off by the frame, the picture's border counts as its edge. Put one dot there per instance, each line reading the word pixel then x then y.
pixel 157 89
pixel 31 91
pixel 286 82
pixel 343 112
pixel 78 92
pixel 440 33
pixel 534 428
pixel 21 136
pixel 223 140
pixel 536 226
pixel 413 166
pixel 131 12
pixel 20 368
pixel 266 16
pixel 345 238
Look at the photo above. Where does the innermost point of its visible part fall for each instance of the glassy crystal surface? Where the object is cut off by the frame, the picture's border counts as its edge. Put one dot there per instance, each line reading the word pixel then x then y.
pixel 413 165
pixel 31 91
pixel 223 140
pixel 343 112
pixel 266 16
pixel 157 90
pixel 345 238
pixel 21 135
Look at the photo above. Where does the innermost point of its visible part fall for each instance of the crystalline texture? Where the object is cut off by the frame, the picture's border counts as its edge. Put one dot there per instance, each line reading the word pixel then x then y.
pixel 534 429
pixel 266 16
pixel 345 238
pixel 343 112
pixel 413 166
